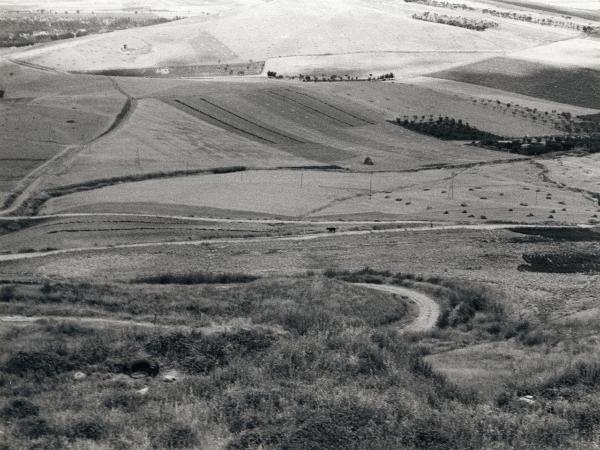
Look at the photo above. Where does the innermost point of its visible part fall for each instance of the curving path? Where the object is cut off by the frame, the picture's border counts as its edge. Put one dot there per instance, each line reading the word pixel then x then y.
pixel 426 319
pixel 30 183
pixel 429 310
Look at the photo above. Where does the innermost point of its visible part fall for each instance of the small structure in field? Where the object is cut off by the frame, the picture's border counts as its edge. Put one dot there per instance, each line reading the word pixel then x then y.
pixel 368 161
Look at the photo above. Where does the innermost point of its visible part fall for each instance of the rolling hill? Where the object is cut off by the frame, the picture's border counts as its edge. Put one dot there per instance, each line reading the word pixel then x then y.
pixel 314 35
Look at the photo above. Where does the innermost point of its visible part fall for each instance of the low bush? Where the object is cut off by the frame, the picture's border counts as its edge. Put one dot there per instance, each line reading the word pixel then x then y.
pixel 198 278
pixel 200 354
pixel 563 262
pixel 34 428
pixel 37 364
pixel 7 293
pixel 91 429
pixel 19 408
pixel 176 436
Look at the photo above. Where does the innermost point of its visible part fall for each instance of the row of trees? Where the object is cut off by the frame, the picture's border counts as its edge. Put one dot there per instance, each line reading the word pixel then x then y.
pixel 563 121
pixel 315 78
pixel 545 144
pixel 548 21
pixel 439 4
pixel 445 128
pixel 540 20
pixel 456 21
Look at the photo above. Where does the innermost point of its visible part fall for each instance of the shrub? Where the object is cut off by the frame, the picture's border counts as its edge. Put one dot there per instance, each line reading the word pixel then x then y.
pixel 198 278
pixel 344 425
pixel 582 373
pixel 93 430
pixel 124 400
pixel 37 364
pixel 200 354
pixel 19 408
pixel 370 362
pixel 7 293
pixel 177 436
pixel 34 428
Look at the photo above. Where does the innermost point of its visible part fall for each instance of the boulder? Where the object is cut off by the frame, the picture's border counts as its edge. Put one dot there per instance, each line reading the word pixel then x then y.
pixel 79 376
pixel 141 368
pixel 143 391
pixel 527 400
pixel 171 376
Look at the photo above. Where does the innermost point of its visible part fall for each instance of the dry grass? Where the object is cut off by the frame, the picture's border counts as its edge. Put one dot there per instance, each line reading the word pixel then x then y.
pixel 339 375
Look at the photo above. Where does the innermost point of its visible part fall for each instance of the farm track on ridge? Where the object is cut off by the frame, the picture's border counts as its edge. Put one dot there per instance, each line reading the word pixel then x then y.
pixel 295 238
pixel 62 159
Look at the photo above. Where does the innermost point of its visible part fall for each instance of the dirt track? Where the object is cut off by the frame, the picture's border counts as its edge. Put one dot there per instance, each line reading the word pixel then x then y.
pixel 58 162
pixel 425 320
pixel 16 320
pixel 429 310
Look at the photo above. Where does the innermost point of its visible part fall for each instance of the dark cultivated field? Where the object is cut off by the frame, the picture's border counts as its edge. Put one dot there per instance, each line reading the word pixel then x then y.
pixel 579 87
pixel 562 10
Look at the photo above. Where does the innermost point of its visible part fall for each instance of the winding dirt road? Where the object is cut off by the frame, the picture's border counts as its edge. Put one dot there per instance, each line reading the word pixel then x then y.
pixel 426 319
pixel 29 185
pixel 429 310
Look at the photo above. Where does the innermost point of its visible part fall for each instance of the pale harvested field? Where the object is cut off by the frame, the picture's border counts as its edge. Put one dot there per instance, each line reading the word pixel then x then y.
pixel 582 172
pixel 580 52
pixel 506 192
pixel 271 192
pixel 402 64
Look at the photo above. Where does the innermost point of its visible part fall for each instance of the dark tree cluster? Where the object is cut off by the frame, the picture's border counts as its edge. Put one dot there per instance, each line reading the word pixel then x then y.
pixel 546 144
pixel 445 128
pixel 438 4
pixel 456 21
pixel 572 262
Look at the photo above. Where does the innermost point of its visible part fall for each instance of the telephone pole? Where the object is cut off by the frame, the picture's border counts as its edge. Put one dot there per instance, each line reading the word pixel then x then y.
pixel 451 190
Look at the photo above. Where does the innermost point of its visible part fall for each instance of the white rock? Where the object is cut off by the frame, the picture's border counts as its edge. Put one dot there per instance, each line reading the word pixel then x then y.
pixel 79 376
pixel 527 399
pixel 143 391
pixel 171 376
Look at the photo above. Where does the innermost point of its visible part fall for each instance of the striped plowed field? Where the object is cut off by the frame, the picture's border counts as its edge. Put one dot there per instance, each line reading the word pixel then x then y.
pixel 233 121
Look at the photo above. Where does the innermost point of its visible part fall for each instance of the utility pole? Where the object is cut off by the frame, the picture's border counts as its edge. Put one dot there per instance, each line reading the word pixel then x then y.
pixel 451 190
pixel 371 185
pixel 301 179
